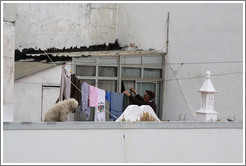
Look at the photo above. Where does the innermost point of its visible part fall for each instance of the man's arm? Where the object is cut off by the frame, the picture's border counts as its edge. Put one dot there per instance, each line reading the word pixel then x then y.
pixel 134 100
pixel 140 98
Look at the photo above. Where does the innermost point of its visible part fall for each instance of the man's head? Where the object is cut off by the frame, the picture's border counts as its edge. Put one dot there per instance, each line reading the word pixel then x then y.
pixel 148 95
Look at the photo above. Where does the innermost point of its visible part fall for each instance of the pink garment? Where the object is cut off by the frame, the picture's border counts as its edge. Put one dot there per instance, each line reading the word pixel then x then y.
pixel 93 96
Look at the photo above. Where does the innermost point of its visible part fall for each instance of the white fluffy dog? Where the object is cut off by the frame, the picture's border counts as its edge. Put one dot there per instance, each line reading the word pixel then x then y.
pixel 60 110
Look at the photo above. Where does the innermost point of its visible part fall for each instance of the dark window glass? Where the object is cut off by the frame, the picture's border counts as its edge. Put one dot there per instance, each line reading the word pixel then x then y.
pixel 85 70
pixel 128 72
pixel 105 71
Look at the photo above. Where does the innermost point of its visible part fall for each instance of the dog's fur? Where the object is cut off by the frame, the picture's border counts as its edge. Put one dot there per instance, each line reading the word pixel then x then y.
pixel 60 110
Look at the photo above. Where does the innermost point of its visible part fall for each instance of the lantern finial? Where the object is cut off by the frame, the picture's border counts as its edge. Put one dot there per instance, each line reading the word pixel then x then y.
pixel 208 74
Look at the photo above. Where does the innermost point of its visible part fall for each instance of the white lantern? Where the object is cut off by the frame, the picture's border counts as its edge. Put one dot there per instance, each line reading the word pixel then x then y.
pixel 206 112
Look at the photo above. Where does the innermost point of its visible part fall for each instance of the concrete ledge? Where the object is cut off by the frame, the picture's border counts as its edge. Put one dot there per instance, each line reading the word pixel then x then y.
pixel 119 125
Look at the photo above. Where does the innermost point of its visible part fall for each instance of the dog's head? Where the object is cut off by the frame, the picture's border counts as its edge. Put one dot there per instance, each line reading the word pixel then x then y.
pixel 73 105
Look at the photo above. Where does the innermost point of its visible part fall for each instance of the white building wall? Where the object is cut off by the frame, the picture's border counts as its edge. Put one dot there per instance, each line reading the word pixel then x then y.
pixel 198 33
pixel 110 146
pixel 59 25
pixel 8 66
pixel 29 93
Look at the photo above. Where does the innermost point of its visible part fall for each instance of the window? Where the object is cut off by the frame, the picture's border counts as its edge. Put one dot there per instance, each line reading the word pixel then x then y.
pixel 152 73
pixel 108 85
pixel 86 70
pixel 128 72
pixel 105 71
pixel 119 73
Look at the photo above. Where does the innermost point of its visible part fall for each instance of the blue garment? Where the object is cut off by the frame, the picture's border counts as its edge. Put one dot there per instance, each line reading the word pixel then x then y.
pixel 85 109
pixel 116 105
pixel 108 96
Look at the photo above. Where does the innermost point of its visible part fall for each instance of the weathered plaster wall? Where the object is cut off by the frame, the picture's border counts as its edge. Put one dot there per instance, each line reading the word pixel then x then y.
pixel 142 24
pixel 8 61
pixel 8 64
pixel 29 107
pixel 48 25
pixel 201 36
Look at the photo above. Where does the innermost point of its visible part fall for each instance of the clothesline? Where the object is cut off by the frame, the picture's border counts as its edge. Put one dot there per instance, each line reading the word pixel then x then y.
pixel 97 98
pixel 105 109
pixel 74 84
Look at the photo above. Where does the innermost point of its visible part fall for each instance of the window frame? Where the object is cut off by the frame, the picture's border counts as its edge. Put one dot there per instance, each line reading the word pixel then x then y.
pixel 78 62
pixel 94 61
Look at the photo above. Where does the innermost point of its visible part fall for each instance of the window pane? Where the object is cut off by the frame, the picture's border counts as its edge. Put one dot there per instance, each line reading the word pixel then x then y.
pixel 86 70
pixel 128 72
pixel 152 73
pixel 107 71
pixel 142 87
pixel 108 85
pixel 113 61
pixel 131 60
pixel 152 60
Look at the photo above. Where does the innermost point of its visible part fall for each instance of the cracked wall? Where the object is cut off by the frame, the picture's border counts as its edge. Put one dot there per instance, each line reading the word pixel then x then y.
pixel 43 26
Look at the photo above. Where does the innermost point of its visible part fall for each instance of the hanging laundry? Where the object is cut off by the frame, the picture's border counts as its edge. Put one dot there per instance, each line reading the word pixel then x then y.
pixel 93 96
pixel 116 105
pixel 85 109
pixel 108 96
pixel 126 102
pixel 100 109
pixel 107 104
pixel 65 86
pixel 75 88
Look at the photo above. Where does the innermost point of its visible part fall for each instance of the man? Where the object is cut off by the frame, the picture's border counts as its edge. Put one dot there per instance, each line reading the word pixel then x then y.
pixel 147 99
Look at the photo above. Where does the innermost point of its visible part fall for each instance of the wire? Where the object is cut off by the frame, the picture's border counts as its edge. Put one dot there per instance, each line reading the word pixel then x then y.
pixel 204 76
pixel 175 72
pixel 74 84
pixel 191 63
pixel 178 79
pixel 190 111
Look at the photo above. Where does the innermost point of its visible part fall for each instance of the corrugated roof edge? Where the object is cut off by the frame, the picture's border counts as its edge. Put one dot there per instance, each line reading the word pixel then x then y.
pixel 98 53
pixel 22 54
